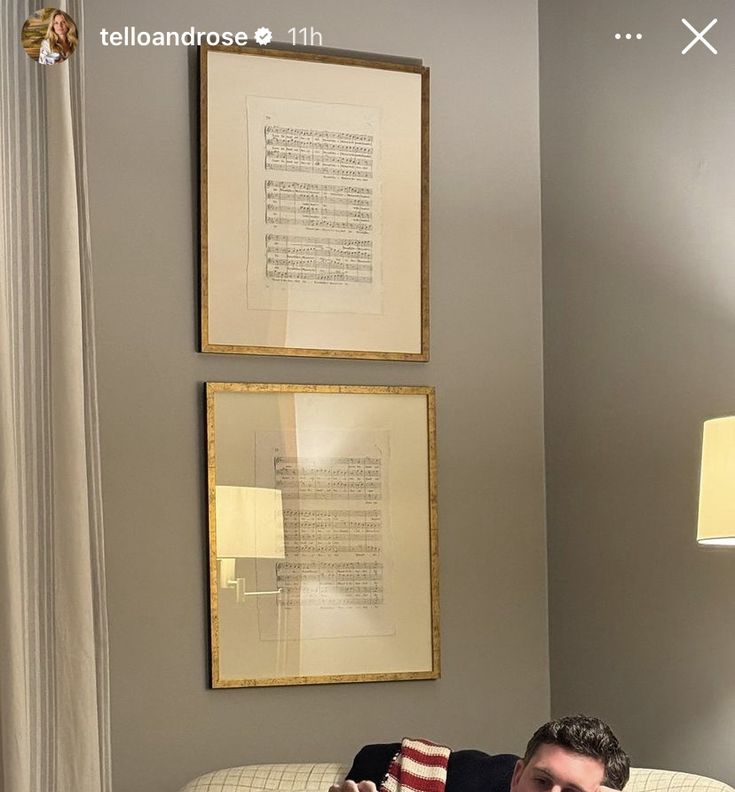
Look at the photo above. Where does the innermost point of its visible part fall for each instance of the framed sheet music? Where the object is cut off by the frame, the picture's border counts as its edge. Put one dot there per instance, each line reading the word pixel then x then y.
pixel 322 534
pixel 314 205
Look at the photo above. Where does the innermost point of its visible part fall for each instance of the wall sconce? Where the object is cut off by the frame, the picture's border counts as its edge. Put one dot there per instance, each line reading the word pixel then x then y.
pixel 249 524
pixel 716 524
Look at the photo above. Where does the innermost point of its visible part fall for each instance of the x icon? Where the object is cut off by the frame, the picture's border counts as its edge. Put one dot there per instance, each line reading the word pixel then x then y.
pixel 699 37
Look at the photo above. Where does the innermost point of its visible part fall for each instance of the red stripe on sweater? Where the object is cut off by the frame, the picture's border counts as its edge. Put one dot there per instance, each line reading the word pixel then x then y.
pixel 433 760
pixel 419 782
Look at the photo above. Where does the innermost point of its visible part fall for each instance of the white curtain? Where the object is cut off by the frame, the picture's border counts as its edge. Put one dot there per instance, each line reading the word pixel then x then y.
pixel 54 702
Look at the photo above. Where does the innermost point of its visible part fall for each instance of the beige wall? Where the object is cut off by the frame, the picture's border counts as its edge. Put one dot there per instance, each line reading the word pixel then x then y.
pixel 639 300
pixel 486 364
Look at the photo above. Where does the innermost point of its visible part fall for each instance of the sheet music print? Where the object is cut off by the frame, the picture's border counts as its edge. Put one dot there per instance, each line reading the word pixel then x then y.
pixel 347 155
pixel 314 207
pixel 333 577
pixel 321 207
pixel 318 260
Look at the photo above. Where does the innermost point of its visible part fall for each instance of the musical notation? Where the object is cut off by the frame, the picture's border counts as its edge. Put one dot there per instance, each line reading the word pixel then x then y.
pixel 333 522
pixel 339 478
pixel 325 532
pixel 330 585
pixel 344 155
pixel 315 207
pixel 319 206
pixel 299 259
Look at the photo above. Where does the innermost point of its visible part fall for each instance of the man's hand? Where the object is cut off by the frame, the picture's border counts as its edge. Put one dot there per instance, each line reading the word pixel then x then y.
pixel 352 786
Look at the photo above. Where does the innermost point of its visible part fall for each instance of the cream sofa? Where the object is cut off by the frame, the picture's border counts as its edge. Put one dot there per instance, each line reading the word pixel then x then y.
pixel 318 778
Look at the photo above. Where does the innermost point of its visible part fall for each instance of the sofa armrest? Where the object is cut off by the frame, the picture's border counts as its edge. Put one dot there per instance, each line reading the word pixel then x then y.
pixel 645 780
pixel 318 777
pixel 314 777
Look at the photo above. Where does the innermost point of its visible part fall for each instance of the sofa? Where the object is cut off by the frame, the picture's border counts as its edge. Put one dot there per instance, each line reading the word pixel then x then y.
pixel 318 778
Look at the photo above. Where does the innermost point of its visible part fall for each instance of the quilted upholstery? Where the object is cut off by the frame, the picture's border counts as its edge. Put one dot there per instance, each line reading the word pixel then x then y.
pixel 319 777
pixel 642 780
pixel 266 777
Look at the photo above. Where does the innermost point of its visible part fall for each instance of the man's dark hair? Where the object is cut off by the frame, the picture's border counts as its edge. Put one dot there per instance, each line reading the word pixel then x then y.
pixel 588 737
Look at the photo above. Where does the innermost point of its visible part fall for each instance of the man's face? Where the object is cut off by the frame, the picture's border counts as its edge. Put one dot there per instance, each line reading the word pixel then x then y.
pixel 555 769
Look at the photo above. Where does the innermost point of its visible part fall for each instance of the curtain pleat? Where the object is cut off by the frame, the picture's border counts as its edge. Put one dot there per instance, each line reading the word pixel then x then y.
pixel 54 699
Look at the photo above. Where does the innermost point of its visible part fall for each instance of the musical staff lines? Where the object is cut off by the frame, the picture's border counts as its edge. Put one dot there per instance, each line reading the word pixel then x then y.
pixel 344 155
pixel 336 511
pixel 319 206
pixel 299 259
pixel 315 208
pixel 324 532
pixel 330 585
pixel 337 478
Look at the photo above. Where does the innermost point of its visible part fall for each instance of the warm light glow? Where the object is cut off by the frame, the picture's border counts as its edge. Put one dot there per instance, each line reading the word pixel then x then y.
pixel 716 525
pixel 249 522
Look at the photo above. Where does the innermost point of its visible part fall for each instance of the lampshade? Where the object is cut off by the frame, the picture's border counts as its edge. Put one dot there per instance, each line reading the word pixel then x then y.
pixel 249 522
pixel 716 524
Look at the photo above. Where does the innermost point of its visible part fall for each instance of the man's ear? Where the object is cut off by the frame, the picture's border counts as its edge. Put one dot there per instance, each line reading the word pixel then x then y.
pixel 517 770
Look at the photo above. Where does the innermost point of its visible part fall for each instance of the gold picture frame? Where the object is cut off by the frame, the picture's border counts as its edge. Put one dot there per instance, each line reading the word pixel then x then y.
pixel 323 558
pixel 314 204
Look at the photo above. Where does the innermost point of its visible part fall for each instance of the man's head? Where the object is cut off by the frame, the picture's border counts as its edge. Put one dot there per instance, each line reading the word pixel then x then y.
pixel 572 754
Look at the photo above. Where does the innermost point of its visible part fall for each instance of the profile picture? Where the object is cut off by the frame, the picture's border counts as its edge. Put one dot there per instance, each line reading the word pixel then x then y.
pixel 49 36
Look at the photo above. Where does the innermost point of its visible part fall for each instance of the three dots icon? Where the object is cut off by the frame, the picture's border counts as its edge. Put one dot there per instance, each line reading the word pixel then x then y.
pixel 629 36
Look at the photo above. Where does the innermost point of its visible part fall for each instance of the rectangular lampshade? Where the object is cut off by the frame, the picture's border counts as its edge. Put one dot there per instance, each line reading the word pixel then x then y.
pixel 716 525
pixel 249 522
